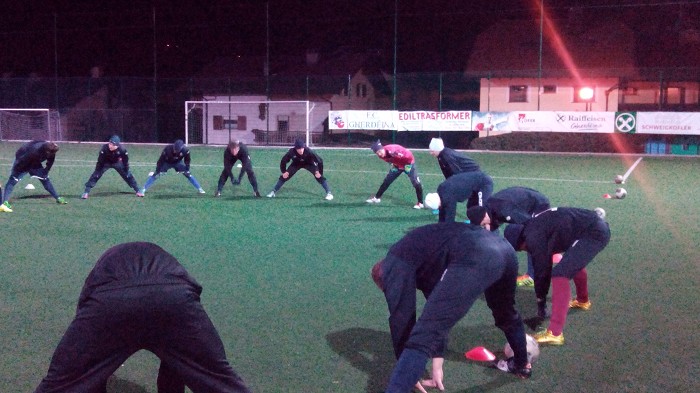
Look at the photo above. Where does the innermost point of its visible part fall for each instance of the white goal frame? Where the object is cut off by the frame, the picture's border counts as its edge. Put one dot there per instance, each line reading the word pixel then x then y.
pixel 300 105
pixel 52 131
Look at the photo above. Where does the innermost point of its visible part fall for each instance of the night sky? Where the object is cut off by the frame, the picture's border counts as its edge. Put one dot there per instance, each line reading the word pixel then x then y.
pixel 68 38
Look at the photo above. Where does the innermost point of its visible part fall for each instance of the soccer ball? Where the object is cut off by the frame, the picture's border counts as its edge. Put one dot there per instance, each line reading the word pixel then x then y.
pixel 619 179
pixel 620 193
pixel 600 212
pixel 533 349
pixel 432 200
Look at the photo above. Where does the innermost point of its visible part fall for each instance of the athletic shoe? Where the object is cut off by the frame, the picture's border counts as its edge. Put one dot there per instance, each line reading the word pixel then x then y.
pixel 5 207
pixel 217 194
pixel 373 200
pixel 508 365
pixel 525 281
pixel 271 194
pixel 140 194
pixel 329 197
pixel 84 196
pixel 418 206
pixel 61 201
pixel 547 337
pixel 257 194
pixel 201 190
pixel 582 305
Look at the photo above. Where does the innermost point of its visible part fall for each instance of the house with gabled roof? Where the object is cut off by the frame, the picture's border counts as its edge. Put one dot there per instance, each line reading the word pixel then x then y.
pixel 580 67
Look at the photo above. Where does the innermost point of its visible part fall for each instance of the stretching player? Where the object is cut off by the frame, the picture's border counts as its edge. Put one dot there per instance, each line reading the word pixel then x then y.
pixel 175 156
pixel 302 158
pixel 452 264
pixel 29 159
pixel 580 234
pixel 516 205
pixel 112 155
pixel 136 297
pixel 402 161
pixel 235 151
pixel 473 187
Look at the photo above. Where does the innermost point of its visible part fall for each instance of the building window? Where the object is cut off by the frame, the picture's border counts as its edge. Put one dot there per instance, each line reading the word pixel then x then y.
pixel 518 93
pixel 549 89
pixel 283 123
pixel 361 90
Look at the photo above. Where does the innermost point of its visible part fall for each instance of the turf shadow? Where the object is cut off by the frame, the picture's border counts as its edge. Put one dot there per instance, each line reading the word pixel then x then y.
pixel 363 349
pixel 118 385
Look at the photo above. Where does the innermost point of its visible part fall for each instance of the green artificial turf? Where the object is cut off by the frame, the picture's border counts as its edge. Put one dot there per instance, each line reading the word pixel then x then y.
pixel 286 280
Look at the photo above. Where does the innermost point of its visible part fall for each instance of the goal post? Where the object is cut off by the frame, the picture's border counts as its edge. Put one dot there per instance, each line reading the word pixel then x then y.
pixel 30 124
pixel 255 122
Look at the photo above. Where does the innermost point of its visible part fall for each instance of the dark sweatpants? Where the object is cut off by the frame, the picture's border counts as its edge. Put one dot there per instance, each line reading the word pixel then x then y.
pixel 449 302
pixel 119 167
pixel 167 320
pixel 474 187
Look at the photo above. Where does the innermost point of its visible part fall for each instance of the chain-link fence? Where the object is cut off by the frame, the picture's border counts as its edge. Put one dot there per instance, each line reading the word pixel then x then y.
pixel 149 110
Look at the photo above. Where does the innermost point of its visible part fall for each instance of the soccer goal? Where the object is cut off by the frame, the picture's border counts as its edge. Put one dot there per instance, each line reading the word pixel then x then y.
pixel 30 124
pixel 216 122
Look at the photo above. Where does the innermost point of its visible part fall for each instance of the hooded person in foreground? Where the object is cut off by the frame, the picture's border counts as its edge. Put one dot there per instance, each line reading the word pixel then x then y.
pixel 136 297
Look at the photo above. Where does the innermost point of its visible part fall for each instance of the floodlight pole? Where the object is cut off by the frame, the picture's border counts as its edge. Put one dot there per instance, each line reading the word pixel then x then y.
pixel 396 33
pixel 539 67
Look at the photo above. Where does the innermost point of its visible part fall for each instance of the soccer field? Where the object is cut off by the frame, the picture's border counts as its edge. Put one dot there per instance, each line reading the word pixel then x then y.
pixel 286 279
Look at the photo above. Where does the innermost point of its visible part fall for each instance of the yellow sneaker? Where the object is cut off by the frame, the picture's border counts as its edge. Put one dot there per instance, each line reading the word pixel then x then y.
pixel 582 305
pixel 547 337
pixel 5 207
pixel 525 281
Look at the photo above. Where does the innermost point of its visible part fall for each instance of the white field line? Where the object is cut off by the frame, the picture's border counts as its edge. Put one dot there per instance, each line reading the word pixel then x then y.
pixel 86 163
pixel 629 171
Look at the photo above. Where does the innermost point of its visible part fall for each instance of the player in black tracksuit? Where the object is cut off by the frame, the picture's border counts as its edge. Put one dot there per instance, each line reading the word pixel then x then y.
pixel 175 156
pixel 578 233
pixel 112 155
pixel 516 205
pixel 452 162
pixel 138 296
pixel 452 264
pixel 237 151
pixel 29 159
pixel 301 157
pixel 473 187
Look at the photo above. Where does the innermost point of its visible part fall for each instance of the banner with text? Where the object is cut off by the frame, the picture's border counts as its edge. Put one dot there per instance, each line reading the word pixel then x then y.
pixel 674 123
pixel 363 120
pixel 435 121
pixel 494 123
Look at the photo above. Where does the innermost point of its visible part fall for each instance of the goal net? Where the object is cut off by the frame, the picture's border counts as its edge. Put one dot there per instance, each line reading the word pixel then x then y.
pixel 261 122
pixel 29 124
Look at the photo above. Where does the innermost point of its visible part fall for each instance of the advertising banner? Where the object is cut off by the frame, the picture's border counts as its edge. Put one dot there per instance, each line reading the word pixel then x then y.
pixel 673 123
pixel 363 120
pixel 435 121
pixel 562 121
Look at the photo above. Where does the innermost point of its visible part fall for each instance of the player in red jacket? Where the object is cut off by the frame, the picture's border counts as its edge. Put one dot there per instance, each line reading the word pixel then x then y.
pixel 402 161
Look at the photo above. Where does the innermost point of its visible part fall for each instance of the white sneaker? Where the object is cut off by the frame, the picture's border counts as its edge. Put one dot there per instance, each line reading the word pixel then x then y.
pixel 329 197
pixel 201 191
pixel 373 200
pixel 271 194
pixel 418 206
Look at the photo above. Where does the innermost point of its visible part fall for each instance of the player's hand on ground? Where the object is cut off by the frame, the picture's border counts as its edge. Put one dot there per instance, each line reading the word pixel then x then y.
pixel 419 387
pixel 285 175
pixel 436 374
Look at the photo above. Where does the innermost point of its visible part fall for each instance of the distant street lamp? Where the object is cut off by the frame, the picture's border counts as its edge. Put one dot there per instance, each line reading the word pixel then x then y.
pixel 587 95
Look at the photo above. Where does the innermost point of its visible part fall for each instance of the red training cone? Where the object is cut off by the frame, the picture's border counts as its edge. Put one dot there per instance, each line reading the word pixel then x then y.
pixel 606 196
pixel 480 354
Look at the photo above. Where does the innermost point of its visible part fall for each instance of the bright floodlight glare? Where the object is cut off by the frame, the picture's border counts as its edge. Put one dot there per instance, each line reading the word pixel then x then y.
pixel 585 93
